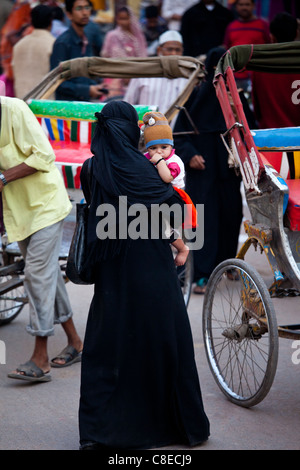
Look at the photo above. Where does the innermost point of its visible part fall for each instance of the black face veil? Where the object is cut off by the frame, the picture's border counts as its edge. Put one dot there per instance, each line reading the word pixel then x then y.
pixel 119 167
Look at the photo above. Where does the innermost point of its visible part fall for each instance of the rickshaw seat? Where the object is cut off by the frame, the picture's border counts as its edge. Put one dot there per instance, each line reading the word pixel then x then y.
pixel 69 158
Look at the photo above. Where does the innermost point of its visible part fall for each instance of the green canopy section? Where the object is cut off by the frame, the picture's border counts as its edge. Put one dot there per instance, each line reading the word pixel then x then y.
pixel 75 110
pixel 273 58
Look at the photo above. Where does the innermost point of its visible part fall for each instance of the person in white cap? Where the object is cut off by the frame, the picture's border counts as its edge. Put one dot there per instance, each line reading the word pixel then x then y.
pixel 159 91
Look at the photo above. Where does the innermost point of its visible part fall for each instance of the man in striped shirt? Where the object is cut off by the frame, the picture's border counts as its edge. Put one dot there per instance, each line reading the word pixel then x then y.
pixel 159 91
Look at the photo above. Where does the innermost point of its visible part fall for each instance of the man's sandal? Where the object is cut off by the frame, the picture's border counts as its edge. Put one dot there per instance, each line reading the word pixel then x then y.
pixel 200 287
pixel 30 372
pixel 69 355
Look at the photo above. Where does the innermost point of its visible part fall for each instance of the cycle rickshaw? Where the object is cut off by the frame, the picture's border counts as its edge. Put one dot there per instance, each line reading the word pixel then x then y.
pixel 239 322
pixel 69 127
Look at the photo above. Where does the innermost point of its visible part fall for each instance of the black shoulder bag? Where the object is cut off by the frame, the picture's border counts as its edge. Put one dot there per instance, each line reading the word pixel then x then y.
pixel 77 252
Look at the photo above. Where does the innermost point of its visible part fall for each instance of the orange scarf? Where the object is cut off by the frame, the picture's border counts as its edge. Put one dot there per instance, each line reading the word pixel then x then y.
pixel 191 213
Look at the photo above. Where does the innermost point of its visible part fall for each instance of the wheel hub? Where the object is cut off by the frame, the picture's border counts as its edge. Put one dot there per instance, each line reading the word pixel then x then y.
pixel 244 330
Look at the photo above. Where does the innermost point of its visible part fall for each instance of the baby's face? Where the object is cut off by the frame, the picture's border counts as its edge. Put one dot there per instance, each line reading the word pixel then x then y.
pixel 162 149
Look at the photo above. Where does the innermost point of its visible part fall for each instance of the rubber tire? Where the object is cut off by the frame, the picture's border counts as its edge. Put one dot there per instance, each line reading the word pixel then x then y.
pixel 211 341
pixel 8 304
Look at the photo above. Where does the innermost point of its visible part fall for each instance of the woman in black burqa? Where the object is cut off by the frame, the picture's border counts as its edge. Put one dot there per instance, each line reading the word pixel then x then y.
pixel 139 382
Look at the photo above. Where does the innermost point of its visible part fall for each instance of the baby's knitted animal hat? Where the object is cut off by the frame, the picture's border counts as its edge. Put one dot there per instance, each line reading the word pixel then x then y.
pixel 157 130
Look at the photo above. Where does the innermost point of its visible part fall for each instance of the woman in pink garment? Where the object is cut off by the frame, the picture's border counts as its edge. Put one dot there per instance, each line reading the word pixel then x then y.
pixel 125 40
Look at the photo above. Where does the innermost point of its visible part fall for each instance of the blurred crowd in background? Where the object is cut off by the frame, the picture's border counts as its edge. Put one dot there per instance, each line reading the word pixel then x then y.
pixel 112 32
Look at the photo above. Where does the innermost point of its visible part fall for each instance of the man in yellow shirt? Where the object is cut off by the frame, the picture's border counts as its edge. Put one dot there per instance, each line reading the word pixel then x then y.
pixel 35 203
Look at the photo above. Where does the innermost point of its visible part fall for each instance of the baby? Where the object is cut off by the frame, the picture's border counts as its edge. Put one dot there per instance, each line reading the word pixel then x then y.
pixel 159 143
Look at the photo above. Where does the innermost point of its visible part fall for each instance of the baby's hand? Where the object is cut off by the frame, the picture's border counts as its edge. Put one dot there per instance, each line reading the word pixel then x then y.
pixel 155 158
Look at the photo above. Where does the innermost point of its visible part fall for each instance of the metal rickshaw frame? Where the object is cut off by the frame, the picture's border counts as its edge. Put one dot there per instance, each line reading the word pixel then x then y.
pixel 237 336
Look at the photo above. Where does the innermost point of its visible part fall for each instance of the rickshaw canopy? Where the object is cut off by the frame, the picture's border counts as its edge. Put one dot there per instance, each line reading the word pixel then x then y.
pixel 273 58
pixel 129 67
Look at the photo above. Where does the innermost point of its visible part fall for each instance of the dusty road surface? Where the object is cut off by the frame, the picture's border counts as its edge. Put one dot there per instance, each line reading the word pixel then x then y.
pixel 44 416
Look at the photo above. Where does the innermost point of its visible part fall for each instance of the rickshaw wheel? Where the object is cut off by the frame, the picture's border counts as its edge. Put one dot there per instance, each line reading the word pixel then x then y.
pixel 11 303
pixel 240 333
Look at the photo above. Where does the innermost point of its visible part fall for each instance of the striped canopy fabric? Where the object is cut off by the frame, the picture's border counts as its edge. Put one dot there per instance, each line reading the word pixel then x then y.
pixel 70 137
pixel 69 126
pixel 66 130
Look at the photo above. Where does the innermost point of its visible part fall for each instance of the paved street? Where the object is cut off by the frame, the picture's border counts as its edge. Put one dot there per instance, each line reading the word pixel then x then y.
pixel 44 416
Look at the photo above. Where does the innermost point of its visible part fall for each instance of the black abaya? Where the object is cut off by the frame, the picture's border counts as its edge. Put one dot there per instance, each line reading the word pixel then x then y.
pixel 139 381
pixel 140 386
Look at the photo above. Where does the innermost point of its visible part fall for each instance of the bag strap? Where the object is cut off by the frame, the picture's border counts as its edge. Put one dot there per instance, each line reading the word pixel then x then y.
pixel 90 172
pixel 87 174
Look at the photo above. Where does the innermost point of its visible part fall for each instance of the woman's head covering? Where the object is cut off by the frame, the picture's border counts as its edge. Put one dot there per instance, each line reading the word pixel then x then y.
pixel 120 169
pixel 136 31
pixel 157 130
